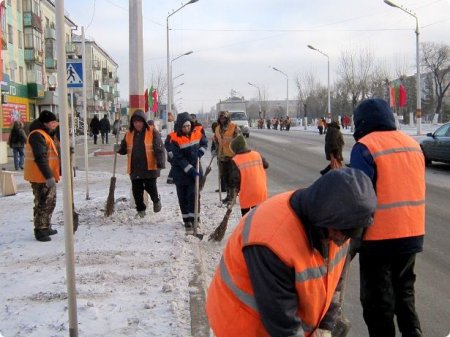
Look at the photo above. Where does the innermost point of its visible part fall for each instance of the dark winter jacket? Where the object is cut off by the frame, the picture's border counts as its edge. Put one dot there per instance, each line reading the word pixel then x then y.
pixel 338 209
pixel 39 146
pixel 95 125
pixel 105 125
pixel 17 137
pixel 183 151
pixel 138 157
pixel 376 115
pixel 334 142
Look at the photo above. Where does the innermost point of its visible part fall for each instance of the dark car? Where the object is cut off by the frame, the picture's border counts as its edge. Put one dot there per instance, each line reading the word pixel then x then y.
pixel 436 147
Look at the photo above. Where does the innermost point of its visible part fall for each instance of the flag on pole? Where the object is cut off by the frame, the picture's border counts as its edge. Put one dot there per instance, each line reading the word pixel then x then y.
pixel 146 100
pixel 155 100
pixel 150 98
pixel 402 96
pixel 392 95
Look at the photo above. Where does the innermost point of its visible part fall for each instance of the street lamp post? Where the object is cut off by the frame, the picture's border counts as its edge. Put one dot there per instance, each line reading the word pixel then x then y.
pixel 328 77
pixel 171 78
pixel 418 94
pixel 259 95
pixel 169 98
pixel 287 89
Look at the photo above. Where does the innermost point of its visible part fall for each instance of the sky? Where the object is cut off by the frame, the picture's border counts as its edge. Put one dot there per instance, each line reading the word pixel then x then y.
pixel 235 42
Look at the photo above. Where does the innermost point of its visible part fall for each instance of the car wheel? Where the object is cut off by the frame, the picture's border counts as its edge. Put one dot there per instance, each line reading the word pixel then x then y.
pixel 427 161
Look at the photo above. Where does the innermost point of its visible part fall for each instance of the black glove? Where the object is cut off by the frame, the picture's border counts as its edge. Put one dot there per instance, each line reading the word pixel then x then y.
pixel 193 173
pixel 51 182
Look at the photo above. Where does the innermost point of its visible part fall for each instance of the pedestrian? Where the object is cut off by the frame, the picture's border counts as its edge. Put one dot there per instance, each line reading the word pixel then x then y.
pixel 16 141
pixel 225 131
pixel 395 164
pixel 280 268
pixel 334 144
pixel 105 128
pixel 95 127
pixel 116 127
pixel 248 175
pixel 320 125
pixel 288 123
pixel 187 144
pixel 146 157
pixel 42 170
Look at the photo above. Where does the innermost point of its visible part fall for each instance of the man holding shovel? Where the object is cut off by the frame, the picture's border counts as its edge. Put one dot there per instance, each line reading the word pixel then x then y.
pixel 187 144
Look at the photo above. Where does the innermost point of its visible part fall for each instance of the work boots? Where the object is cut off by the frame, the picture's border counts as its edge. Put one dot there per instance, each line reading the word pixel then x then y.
pixel 42 235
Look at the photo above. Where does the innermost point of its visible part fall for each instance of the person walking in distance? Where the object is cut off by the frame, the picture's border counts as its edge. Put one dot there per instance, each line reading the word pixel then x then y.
pixel 42 170
pixel 248 175
pixel 225 131
pixel 395 164
pixel 334 144
pixel 186 145
pixel 280 268
pixel 95 128
pixel 105 128
pixel 16 141
pixel 146 157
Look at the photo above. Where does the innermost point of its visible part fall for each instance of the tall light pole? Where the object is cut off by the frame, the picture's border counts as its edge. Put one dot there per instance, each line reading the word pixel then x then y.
pixel 171 78
pixel 259 95
pixel 169 98
pixel 328 61
pixel 287 89
pixel 418 94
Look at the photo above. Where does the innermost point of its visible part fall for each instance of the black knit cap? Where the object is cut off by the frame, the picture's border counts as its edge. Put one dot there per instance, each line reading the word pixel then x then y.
pixel 47 116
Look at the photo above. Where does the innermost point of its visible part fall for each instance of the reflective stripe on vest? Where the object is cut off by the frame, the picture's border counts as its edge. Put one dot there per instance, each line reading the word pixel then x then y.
pixel 400 185
pixel 149 153
pixel 231 289
pixel 32 173
pixel 253 189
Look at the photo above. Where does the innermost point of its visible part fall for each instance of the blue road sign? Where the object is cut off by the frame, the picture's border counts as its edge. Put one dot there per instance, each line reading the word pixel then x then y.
pixel 74 73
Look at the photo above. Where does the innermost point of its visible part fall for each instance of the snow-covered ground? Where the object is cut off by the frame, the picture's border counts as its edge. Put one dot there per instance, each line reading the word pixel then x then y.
pixel 132 275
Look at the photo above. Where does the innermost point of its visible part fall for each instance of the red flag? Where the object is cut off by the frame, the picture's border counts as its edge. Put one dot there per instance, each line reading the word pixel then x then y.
pixel 155 100
pixel 392 96
pixel 146 100
pixel 402 96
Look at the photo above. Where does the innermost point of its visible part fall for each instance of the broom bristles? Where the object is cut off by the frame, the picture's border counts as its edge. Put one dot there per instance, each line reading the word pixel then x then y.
pixel 109 209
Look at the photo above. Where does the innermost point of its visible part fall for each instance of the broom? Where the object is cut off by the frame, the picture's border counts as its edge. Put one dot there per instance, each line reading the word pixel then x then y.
pixel 219 232
pixel 109 209
pixel 207 171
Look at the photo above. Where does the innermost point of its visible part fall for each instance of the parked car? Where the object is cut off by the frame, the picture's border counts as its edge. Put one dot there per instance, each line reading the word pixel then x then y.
pixel 436 147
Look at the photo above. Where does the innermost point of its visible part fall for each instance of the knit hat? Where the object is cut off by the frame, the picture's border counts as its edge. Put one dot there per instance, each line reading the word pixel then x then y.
pixel 47 116
pixel 373 115
pixel 138 115
pixel 238 144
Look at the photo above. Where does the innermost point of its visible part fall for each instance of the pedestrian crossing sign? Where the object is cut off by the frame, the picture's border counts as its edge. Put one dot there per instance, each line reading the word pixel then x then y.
pixel 74 73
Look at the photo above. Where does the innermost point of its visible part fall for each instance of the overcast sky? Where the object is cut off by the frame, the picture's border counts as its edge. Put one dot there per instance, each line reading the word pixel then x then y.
pixel 235 41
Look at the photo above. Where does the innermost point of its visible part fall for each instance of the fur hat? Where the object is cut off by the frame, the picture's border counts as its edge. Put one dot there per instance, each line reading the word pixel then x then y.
pixel 238 144
pixel 47 116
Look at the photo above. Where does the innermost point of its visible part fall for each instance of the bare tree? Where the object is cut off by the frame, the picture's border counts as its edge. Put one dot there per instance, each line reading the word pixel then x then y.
pixel 436 58
pixel 311 94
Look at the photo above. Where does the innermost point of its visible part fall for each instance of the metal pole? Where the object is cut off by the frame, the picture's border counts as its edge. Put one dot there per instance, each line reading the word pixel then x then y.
pixel 329 102
pixel 287 95
pixel 169 75
pixel 85 119
pixel 73 132
pixel 418 93
pixel 66 172
pixel 136 57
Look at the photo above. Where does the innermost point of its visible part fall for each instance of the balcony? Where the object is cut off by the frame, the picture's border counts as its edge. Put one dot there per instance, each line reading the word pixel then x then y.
pixel 32 20
pixel 50 33
pixel 33 55
pixel 96 65
pixel 116 94
pixel 71 48
pixel 50 63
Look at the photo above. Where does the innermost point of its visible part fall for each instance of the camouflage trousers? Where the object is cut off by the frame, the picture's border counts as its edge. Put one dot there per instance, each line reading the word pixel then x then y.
pixel 44 204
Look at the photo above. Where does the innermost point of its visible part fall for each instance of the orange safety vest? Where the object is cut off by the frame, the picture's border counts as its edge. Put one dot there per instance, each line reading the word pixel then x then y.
pixel 184 142
pixel 225 140
pixel 31 171
pixel 148 141
pixel 253 189
pixel 231 307
pixel 400 186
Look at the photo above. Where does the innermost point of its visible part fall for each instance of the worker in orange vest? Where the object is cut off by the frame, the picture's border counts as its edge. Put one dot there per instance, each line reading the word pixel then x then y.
pixel 395 163
pixel 42 170
pixel 248 175
pixel 280 268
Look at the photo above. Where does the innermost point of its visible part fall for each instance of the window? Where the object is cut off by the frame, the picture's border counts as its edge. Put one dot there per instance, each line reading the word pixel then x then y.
pixel 21 74
pixel 10 34
pixel 19 6
pixel 20 39
pixel 13 74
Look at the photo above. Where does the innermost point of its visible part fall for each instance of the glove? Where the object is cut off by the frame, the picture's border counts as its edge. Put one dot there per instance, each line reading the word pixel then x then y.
pixel 321 333
pixel 193 173
pixel 51 182
pixel 116 147
pixel 200 153
pixel 213 153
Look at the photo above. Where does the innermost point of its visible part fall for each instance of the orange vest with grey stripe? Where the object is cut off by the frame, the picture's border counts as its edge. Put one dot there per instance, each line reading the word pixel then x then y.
pixel 400 186
pixel 225 139
pixel 231 305
pixel 31 172
pixel 148 141
pixel 253 189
